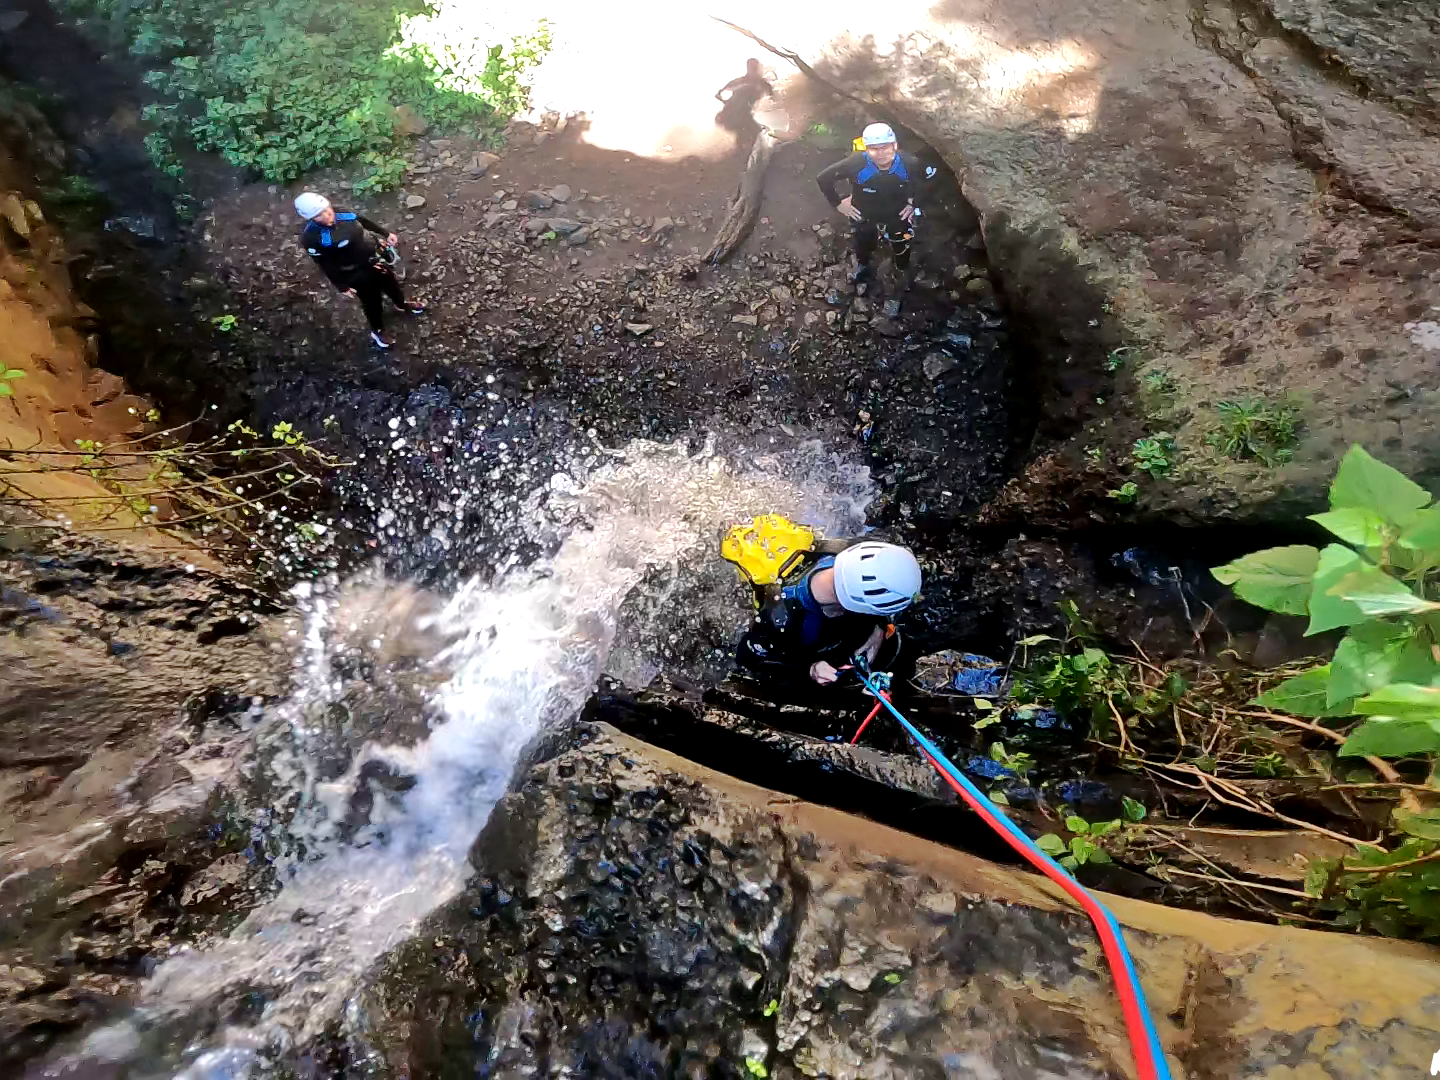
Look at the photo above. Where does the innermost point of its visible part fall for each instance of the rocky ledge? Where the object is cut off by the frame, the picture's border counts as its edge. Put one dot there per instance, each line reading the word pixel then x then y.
pixel 637 915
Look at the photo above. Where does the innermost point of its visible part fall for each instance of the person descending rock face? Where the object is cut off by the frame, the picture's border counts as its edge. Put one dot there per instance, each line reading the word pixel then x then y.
pixel 819 603
pixel 345 246
pixel 881 204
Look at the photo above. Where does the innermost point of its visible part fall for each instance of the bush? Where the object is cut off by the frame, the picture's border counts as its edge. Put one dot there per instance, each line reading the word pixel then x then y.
pixel 283 86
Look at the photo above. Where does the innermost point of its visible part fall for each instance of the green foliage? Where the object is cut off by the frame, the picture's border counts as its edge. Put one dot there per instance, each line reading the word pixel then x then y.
pixel 1088 838
pixel 282 87
pixel 224 323
pixel 756 1067
pixel 1125 493
pixel 7 376
pixel 1256 429
pixel 1159 381
pixel 1155 455
pixel 1394 892
pixel 1116 358
pixel 1019 763
pixel 771 1008
pixel 1379 583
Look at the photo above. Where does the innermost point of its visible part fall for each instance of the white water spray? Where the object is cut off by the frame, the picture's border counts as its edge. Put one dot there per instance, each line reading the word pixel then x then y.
pixel 523 653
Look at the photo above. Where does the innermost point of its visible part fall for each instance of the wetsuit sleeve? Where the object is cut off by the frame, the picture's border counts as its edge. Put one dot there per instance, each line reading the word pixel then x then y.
pixel 921 178
pixel 370 226
pixel 830 177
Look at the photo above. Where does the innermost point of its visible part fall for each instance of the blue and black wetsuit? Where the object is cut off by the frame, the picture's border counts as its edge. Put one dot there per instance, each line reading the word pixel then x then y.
pixel 349 254
pixel 879 194
pixel 791 631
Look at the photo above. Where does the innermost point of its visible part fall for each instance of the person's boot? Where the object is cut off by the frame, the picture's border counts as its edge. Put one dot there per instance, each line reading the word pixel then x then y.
pixel 411 307
pixel 861 274
pixel 379 340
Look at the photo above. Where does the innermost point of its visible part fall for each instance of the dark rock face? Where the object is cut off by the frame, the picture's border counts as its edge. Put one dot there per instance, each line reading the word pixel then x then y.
pixel 636 915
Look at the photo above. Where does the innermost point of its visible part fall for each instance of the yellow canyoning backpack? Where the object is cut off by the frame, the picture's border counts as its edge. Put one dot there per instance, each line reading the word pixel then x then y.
pixel 766 549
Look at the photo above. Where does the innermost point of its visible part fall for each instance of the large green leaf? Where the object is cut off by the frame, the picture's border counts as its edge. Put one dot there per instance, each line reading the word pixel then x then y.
pixel 1365 482
pixel 1424 824
pixel 1392 736
pixel 1423 534
pixel 1277 579
pixel 1356 525
pixel 1376 654
pixel 1326 610
pixel 1376 593
pixel 1402 699
pixel 1307 694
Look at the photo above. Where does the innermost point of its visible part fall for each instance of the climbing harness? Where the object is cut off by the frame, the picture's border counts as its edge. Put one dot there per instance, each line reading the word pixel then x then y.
pixel 766 549
pixel 1150 1063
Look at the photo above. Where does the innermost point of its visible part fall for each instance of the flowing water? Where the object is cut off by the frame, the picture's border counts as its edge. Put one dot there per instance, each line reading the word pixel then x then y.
pixel 495 664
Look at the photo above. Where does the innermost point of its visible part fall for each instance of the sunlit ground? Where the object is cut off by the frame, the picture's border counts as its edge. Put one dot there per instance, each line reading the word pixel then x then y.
pixel 645 72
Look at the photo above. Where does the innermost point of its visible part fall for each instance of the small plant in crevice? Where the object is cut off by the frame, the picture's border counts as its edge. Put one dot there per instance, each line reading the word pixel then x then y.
pixel 224 323
pixel 7 376
pixel 1086 840
pixel 1257 429
pixel 1117 358
pixel 1125 493
pixel 1155 454
pixel 1159 381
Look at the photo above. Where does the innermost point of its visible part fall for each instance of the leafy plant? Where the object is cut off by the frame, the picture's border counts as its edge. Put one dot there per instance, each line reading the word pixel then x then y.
pixel 1116 358
pixel 1159 381
pixel 1255 429
pixel 1125 493
pixel 224 323
pixel 1155 455
pixel 285 86
pixel 1019 762
pixel 7 376
pixel 1084 845
pixel 1394 892
pixel 756 1068
pixel 1379 583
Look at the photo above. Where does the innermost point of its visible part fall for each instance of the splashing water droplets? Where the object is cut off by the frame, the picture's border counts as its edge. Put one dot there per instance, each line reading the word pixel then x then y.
pixel 506 660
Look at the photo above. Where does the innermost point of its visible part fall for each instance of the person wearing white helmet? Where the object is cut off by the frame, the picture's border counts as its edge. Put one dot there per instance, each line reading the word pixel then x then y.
pixel 883 184
pixel 834 604
pixel 346 247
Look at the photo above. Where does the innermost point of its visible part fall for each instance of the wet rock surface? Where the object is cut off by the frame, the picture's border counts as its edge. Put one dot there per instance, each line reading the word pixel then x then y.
pixel 638 915
pixel 127 686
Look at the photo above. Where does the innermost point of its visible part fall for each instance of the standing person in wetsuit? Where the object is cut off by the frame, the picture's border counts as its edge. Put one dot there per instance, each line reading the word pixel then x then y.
pixel 346 247
pixel 827 610
pixel 881 203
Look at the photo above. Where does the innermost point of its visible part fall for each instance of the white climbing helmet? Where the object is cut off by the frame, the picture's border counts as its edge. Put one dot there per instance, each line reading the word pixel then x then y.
pixel 876 579
pixel 309 205
pixel 877 135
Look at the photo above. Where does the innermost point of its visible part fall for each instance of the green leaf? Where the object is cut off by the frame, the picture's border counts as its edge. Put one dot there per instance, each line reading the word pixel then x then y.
pixel 1035 639
pixel 1401 699
pixel 1083 849
pixel 1077 824
pixel 1050 844
pixel 1326 610
pixel 772 1008
pixel 1307 694
pixel 756 1068
pixel 983 704
pixel 1423 534
pixel 1100 828
pixel 894 978
pixel 1100 855
pixel 1134 809
pixel 12 373
pixel 1377 594
pixel 1375 654
pixel 1392 736
pixel 5 390
pixel 1365 482
pixel 1069 862
pixel 1276 579
pixel 998 797
pixel 1424 824
pixel 1356 525
pixel 1317 876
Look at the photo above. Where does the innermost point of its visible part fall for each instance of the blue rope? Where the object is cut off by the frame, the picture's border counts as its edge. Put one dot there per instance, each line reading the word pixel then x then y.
pixel 1160 1068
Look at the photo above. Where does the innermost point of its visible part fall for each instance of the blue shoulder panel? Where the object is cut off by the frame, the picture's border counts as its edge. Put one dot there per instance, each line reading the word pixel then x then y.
pixel 347 216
